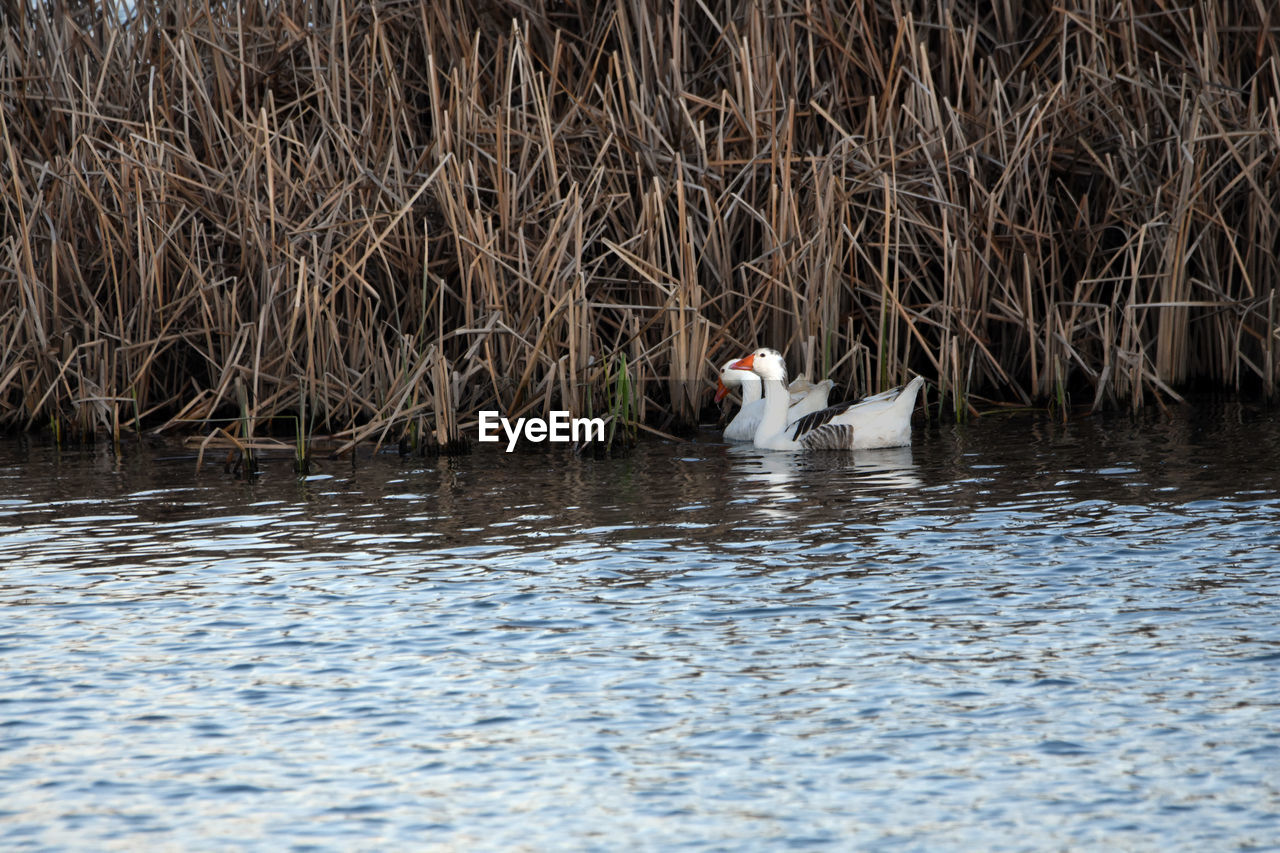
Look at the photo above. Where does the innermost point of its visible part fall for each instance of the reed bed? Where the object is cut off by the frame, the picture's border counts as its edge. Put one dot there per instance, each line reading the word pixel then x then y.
pixel 372 220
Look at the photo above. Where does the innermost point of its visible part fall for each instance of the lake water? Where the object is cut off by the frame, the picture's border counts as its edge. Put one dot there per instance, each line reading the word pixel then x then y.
pixel 1019 634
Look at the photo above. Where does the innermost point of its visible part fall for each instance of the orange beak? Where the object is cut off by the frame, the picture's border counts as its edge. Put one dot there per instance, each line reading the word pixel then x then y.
pixel 721 391
pixel 744 363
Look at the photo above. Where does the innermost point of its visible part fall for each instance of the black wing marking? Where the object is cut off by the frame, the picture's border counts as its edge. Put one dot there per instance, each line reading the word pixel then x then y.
pixel 814 420
pixel 829 437
pixel 817 419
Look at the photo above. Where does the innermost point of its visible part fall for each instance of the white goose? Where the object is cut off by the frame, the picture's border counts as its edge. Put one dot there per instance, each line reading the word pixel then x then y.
pixel 804 397
pixel 880 421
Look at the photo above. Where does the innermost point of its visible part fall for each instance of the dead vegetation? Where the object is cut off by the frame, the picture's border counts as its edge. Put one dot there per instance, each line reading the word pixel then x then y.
pixel 373 220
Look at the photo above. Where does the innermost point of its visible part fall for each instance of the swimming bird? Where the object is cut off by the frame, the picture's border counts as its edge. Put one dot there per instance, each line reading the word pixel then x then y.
pixel 883 420
pixel 804 397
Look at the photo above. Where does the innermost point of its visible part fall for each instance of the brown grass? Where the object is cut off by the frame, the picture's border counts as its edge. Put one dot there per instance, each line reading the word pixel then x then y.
pixel 377 219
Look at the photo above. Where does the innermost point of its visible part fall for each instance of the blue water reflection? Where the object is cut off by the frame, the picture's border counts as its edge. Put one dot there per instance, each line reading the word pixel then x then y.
pixel 1017 634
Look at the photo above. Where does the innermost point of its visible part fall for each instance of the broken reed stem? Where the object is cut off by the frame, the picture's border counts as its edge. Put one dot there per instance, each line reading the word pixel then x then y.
pixel 404 211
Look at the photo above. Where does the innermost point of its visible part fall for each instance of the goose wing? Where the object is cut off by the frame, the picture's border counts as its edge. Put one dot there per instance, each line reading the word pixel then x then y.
pixel 891 394
pixel 828 437
pixel 818 430
pixel 818 419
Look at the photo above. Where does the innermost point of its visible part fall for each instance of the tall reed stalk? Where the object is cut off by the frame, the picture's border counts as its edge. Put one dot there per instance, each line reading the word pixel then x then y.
pixel 404 213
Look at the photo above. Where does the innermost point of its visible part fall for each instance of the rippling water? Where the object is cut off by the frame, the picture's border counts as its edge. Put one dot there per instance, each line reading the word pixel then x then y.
pixel 1018 634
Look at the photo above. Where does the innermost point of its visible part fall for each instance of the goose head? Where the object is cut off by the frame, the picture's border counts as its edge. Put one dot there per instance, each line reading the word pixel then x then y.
pixel 729 377
pixel 765 363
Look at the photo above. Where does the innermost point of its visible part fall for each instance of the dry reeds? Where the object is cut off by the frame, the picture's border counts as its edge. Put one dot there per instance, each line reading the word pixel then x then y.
pixel 380 218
